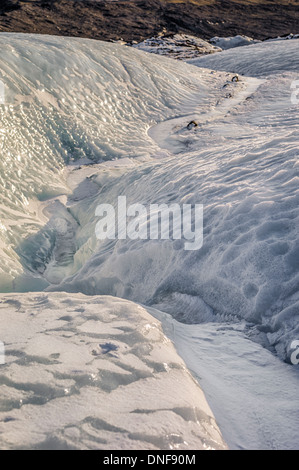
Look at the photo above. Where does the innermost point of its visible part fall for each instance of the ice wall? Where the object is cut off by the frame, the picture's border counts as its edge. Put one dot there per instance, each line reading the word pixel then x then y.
pixel 68 99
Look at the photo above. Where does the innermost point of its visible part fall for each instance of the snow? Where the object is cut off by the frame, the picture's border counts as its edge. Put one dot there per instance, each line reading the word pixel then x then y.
pixel 247 268
pixel 234 41
pixel 119 117
pixel 186 47
pixel 258 60
pixel 250 391
pixel 95 373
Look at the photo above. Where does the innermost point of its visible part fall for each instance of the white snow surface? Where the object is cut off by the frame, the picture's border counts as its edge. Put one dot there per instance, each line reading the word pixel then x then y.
pixel 250 391
pixel 241 162
pixel 257 60
pixel 95 373
pixel 232 41
pixel 67 99
pixel 119 117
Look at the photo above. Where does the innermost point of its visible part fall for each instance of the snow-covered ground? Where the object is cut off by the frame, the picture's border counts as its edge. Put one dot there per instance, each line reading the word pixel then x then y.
pixel 259 60
pixel 249 389
pixel 95 372
pixel 119 117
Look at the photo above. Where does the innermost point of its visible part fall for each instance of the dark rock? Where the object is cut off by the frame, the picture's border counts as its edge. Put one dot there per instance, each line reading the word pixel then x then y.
pixel 191 125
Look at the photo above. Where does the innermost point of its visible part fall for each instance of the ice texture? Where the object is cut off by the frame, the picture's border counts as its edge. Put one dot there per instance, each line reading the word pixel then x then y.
pixel 257 60
pixel 231 42
pixel 119 118
pixel 66 100
pixel 241 163
pixel 95 373
pixel 251 392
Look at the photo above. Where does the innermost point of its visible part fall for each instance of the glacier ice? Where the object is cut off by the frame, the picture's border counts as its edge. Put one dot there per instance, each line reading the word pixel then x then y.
pixel 85 122
pixel 242 165
pixel 231 42
pixel 256 60
pixel 68 100
pixel 178 46
pixel 62 389
pixel 251 392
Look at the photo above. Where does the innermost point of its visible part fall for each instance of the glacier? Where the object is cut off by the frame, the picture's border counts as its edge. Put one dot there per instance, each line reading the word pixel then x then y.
pixel 96 373
pixel 84 122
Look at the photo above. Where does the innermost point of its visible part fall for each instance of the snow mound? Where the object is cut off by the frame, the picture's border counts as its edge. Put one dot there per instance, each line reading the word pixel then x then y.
pixel 95 373
pixel 240 375
pixel 120 118
pixel 257 60
pixel 231 42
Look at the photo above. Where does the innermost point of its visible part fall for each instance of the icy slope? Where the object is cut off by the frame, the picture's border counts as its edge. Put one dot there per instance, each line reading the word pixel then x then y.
pixel 242 164
pixel 95 373
pixel 256 60
pixel 251 392
pixel 67 99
